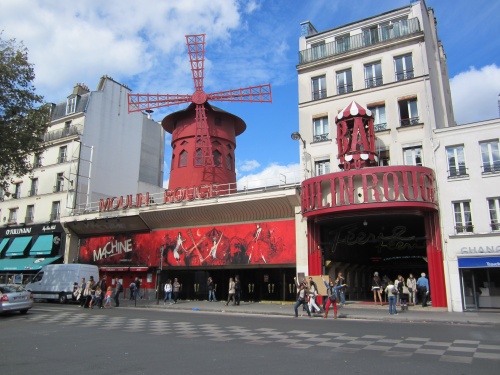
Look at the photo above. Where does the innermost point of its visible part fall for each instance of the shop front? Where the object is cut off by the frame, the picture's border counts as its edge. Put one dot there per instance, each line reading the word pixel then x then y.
pixel 25 250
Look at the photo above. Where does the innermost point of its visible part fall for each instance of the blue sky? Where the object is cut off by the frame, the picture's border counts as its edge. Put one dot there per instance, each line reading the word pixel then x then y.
pixel 142 44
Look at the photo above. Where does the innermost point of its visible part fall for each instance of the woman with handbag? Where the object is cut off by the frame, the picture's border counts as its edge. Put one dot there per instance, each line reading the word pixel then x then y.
pixel 376 286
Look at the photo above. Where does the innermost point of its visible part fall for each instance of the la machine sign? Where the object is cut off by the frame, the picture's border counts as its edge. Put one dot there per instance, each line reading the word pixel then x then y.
pixel 177 195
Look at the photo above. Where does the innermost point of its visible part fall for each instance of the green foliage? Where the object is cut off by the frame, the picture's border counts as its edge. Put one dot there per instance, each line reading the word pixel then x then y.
pixel 23 117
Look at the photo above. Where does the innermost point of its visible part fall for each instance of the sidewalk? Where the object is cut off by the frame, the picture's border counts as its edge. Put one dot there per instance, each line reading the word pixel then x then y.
pixel 353 310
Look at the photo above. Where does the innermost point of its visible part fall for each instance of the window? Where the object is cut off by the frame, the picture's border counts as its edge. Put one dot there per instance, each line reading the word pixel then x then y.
pixel 342 43
pixel 379 121
pixel 413 156
pixel 17 191
pixel 384 158
pixel 63 153
pixel 494 207
pixel 30 214
pixel 54 212
pixel 1 194
pixel 463 218
pixel 67 126
pixel 456 161
pixel 198 158
pixel 59 186
pixel 34 187
pixel 373 74
pixel 408 112
pixel 322 167
pixel 344 81
pixel 403 66
pixel 229 162
pixel 321 129
pixel 490 156
pixel 318 50
pixel 13 215
pixel 318 88
pixel 371 35
pixel 71 105
pixel 217 158
pixel 37 162
pixel 183 159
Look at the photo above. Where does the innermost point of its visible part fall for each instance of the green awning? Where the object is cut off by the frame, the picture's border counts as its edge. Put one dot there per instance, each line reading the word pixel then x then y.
pixel 3 243
pixel 25 264
pixel 43 245
pixel 18 246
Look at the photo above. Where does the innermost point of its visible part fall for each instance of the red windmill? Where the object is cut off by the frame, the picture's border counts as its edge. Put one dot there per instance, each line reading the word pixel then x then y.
pixel 203 137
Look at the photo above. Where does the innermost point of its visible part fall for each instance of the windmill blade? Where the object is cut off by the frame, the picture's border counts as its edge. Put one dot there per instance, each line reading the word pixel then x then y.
pixel 261 93
pixel 196 51
pixel 203 156
pixel 143 102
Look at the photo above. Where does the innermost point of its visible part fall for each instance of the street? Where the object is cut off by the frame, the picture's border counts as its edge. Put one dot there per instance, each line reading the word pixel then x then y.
pixel 62 339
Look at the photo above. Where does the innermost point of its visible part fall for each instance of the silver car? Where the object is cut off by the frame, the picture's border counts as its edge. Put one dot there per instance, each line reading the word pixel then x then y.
pixel 15 298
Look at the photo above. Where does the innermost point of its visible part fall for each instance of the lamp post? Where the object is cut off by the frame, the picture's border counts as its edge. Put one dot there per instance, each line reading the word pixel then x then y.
pixel 158 275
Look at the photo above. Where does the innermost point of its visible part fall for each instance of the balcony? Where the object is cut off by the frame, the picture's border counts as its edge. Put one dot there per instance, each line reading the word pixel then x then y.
pixel 469 228
pixel 409 121
pixel 320 94
pixel 344 89
pixel 380 127
pixel 356 42
pixel 58 188
pixel 61 133
pixel 54 217
pixel 491 167
pixel 404 75
pixel 373 82
pixel 29 219
pixel 461 171
pixel 321 137
pixel 33 192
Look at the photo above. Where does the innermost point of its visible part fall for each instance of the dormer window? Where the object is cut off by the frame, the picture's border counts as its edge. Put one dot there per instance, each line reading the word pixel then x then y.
pixel 71 105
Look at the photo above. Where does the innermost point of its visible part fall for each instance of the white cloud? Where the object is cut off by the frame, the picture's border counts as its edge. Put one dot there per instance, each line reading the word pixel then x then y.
pixel 248 165
pixel 272 175
pixel 475 94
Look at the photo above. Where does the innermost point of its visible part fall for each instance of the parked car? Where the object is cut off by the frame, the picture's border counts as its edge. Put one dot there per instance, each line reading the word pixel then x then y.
pixel 15 298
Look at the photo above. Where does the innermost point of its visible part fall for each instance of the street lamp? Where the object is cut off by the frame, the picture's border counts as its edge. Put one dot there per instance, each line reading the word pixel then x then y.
pixel 158 275
pixel 296 136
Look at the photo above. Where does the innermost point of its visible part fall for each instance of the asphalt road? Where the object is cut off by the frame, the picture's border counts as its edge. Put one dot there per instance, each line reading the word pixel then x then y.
pixel 66 339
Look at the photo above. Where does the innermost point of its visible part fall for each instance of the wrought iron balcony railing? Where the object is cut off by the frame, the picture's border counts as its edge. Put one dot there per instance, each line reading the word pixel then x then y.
pixel 491 167
pixel 355 42
pixel 321 137
pixel 380 127
pixel 469 228
pixel 495 226
pixel 407 74
pixel 344 89
pixel 320 94
pixel 410 121
pixel 457 172
pixel 373 82
pixel 61 133
pixel 54 217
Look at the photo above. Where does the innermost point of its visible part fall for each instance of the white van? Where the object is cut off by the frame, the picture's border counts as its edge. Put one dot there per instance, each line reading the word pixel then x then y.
pixel 56 281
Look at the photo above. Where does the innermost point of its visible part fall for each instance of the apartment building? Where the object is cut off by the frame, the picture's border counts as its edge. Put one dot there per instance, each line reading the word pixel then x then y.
pixel 391 68
pixel 95 149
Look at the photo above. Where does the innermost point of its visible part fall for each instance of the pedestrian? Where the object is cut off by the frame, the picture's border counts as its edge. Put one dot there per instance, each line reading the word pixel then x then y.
pixel 402 293
pixel 237 290
pixel 313 293
pixel 89 291
pixel 102 284
pixel 302 291
pixel 423 289
pixel 376 287
pixel 137 282
pixel 96 295
pixel 82 297
pixel 176 288
pixel 168 292
pixel 211 290
pixel 331 289
pixel 109 294
pixel 118 290
pixel 411 283
pixel 231 292
pixel 132 288
pixel 340 292
pixel 392 292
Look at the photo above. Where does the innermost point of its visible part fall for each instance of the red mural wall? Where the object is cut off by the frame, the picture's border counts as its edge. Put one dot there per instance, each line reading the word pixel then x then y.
pixel 243 244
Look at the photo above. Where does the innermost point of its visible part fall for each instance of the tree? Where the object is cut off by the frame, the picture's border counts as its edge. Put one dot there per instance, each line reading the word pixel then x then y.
pixel 24 118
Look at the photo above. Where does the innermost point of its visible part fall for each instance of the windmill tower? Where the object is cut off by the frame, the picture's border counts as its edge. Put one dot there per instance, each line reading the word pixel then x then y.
pixel 203 136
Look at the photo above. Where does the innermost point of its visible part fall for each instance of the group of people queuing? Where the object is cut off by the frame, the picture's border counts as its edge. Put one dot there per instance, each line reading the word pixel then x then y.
pixel 91 293
pixel 400 292
pixel 307 292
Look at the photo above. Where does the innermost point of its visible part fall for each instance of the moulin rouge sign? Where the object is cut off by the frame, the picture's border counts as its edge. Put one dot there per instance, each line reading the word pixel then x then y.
pixel 394 186
pixel 170 196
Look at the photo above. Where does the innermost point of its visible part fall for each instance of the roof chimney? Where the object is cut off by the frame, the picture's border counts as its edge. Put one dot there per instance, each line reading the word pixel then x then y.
pixel 80 89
